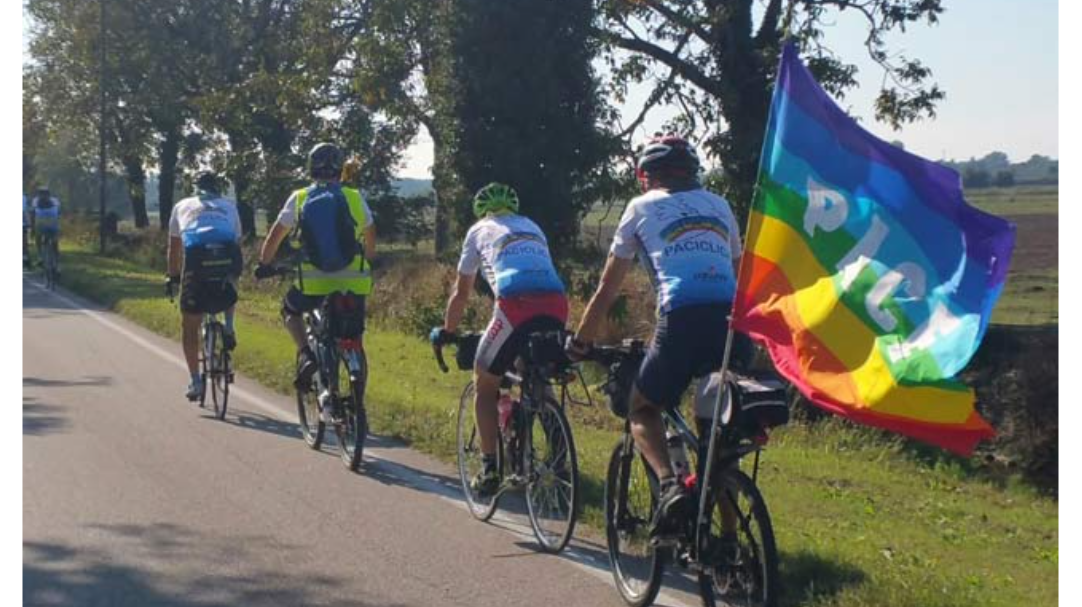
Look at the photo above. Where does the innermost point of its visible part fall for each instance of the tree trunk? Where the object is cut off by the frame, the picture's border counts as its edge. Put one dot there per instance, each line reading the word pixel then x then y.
pixel 137 190
pixel 167 179
pixel 244 209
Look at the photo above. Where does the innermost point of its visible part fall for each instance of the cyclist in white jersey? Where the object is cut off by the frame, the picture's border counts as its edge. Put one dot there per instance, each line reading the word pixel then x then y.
pixel 513 253
pixel 45 222
pixel 688 241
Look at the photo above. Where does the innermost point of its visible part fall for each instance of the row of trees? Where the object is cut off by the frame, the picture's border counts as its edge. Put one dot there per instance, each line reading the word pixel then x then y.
pixel 996 169
pixel 522 91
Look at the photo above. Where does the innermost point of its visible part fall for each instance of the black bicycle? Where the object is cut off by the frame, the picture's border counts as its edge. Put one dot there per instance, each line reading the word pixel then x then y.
pixel 334 335
pixel 732 548
pixel 215 361
pixel 546 469
pixel 49 254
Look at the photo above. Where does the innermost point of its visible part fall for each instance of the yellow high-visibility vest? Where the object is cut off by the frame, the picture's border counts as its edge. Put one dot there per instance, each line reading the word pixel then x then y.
pixel 357 276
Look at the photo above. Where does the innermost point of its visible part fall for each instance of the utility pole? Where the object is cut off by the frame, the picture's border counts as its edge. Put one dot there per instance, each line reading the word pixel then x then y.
pixel 101 128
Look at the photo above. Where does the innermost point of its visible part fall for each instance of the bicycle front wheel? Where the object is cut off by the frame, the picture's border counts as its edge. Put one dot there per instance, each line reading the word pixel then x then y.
pixel 312 427
pixel 469 457
pixel 631 492
pixel 206 362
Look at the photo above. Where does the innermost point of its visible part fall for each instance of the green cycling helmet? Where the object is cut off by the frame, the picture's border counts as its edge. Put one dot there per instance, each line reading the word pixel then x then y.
pixel 495 198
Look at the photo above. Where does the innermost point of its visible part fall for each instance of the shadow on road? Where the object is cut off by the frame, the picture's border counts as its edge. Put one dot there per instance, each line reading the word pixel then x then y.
pixel 40 418
pixel 808 578
pixel 90 381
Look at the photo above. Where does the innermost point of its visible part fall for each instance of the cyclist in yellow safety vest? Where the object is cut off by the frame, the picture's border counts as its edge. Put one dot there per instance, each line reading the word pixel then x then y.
pixel 313 283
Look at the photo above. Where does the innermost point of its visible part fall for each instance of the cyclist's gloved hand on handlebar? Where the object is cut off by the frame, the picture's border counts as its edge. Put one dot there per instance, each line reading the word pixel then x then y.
pixel 263 271
pixel 576 350
pixel 439 336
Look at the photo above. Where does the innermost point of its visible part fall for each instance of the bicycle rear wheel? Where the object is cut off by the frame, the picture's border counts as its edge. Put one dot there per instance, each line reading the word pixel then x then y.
pixel 206 361
pixel 552 494
pixel 219 373
pixel 743 572
pixel 353 429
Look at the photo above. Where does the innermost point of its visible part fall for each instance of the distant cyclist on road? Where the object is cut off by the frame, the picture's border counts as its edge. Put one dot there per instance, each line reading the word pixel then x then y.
pixel 45 223
pixel 26 231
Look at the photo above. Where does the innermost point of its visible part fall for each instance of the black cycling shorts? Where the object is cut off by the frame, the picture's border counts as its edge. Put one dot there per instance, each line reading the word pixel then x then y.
pixel 688 342
pixel 295 303
pixel 206 296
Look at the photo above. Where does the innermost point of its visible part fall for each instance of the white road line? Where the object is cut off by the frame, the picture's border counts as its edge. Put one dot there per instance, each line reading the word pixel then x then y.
pixel 571 555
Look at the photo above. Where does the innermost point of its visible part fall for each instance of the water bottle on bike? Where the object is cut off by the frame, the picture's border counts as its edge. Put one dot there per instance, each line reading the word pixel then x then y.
pixel 678 455
pixel 505 406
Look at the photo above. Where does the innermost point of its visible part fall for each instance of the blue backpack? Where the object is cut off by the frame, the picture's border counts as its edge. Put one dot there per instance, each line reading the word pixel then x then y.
pixel 328 232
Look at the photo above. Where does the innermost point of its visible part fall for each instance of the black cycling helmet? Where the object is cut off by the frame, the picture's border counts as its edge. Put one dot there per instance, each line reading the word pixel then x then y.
pixel 208 181
pixel 670 154
pixel 325 161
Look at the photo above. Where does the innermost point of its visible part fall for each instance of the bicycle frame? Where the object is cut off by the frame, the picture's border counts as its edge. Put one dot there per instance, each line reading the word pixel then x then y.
pixel 675 422
pixel 532 382
pixel 330 351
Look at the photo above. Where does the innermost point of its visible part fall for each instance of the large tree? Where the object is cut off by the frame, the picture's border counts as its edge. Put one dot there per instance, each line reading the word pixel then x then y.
pixel 716 60
pixel 152 72
pixel 402 68
pixel 526 107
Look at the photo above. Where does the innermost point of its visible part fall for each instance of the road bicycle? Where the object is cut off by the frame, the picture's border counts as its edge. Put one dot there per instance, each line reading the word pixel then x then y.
pixel 48 253
pixel 215 360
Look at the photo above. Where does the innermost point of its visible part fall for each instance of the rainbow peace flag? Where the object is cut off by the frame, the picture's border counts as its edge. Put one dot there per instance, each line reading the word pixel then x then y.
pixel 867 276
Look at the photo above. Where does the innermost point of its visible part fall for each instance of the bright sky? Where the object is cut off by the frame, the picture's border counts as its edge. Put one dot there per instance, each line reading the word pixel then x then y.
pixel 996 60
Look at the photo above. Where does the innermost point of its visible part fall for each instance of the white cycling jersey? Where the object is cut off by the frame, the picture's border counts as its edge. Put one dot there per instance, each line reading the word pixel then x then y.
pixel 203 220
pixel 513 253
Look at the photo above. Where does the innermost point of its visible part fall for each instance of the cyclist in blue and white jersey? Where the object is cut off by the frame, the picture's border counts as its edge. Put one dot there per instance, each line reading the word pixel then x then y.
pixel 45 222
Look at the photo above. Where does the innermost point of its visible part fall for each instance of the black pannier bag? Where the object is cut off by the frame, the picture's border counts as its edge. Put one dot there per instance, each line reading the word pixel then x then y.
pixel 547 348
pixel 761 402
pixel 617 387
pixel 343 315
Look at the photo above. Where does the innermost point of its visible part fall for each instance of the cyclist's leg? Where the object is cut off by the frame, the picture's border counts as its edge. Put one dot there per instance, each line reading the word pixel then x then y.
pixel 190 325
pixel 659 384
pixel 493 358
pixel 54 244
pixel 192 307
pixel 666 372
pixel 486 393
pixel 229 303
pixel 648 430
pixel 294 305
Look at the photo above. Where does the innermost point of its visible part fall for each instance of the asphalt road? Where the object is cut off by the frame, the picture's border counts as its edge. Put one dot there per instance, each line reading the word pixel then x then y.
pixel 133 496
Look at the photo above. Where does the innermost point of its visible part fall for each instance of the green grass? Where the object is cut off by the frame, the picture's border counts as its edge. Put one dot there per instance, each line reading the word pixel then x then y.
pixel 860 521
pixel 1029 298
pixel 1019 200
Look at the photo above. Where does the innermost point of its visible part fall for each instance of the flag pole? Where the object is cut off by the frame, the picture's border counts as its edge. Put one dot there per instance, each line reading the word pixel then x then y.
pixel 704 518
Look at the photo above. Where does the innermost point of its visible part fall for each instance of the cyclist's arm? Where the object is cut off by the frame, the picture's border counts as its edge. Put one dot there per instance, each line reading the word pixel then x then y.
pixel 174 259
pixel 607 290
pixel 456 304
pixel 277 234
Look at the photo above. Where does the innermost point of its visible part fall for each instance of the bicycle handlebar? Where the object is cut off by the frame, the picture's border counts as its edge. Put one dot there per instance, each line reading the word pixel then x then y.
pixel 437 348
pixel 608 355
pixel 437 351
pixel 278 270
